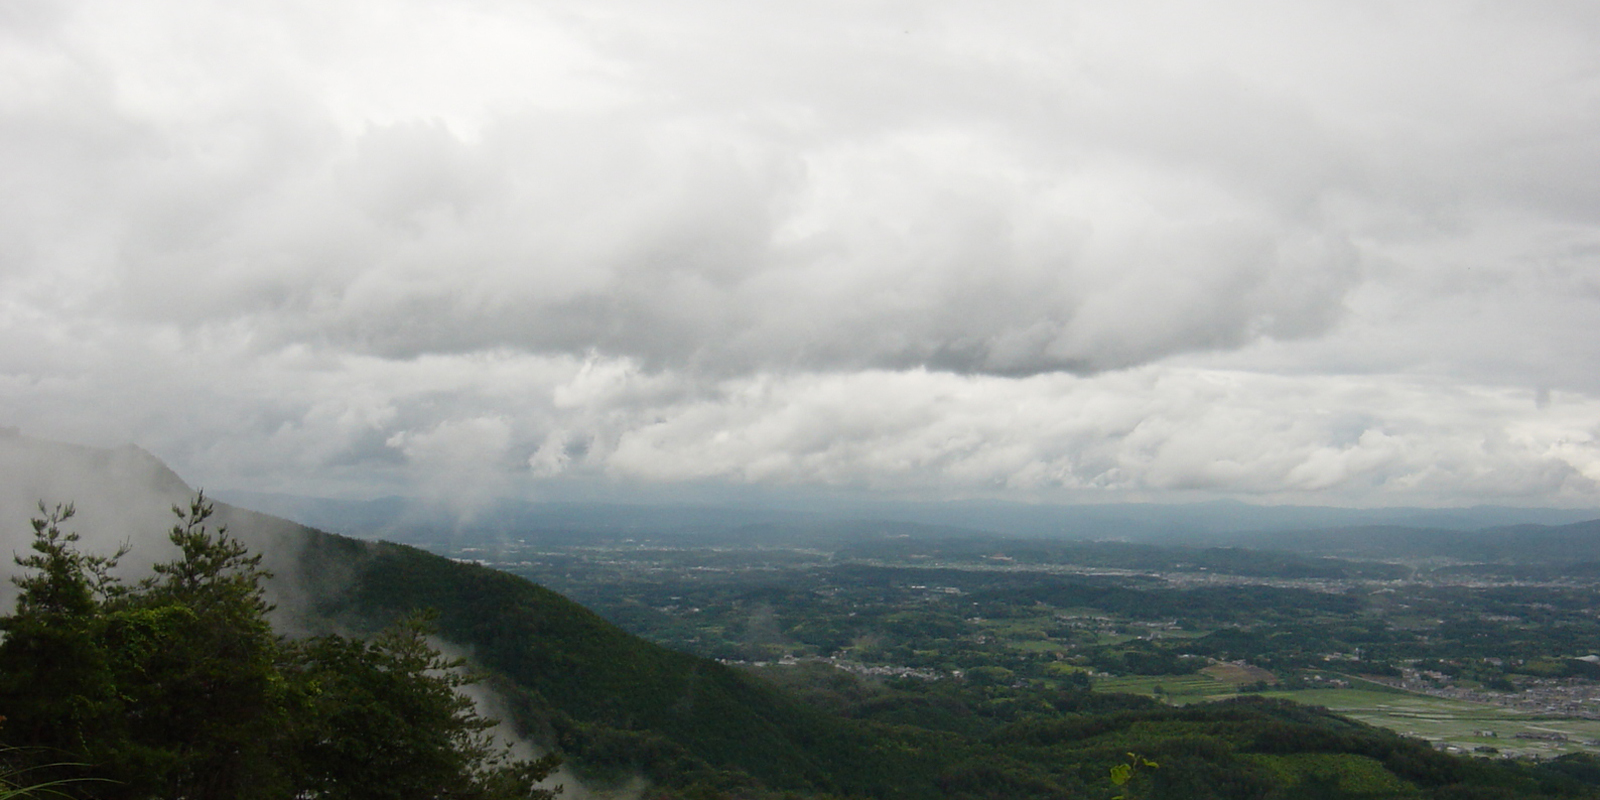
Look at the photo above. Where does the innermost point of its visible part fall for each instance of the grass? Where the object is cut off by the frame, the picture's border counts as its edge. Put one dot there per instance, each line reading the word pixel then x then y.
pixel 14 783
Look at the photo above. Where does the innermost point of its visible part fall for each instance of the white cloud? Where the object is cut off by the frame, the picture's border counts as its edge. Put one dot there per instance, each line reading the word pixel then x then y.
pixel 469 427
pixel 1139 433
pixel 1289 251
pixel 460 462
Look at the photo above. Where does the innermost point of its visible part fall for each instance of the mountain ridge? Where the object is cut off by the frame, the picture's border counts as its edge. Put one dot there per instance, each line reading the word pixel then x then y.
pixel 1210 522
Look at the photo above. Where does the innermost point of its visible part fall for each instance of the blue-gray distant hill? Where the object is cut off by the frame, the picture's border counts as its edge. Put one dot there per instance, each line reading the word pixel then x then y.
pixel 1478 534
pixel 1569 544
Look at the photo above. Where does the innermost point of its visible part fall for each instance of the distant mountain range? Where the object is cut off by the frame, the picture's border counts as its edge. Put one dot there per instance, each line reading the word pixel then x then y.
pixel 1574 543
pixel 1477 534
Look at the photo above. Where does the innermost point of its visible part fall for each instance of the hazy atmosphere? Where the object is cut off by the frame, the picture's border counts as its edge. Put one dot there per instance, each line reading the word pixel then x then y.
pixel 1340 253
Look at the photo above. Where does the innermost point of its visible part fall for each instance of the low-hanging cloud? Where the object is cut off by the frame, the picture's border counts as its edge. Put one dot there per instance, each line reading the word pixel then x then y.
pixel 1139 433
pixel 464 429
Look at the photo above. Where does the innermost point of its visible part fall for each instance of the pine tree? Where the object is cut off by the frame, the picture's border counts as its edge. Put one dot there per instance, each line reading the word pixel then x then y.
pixel 57 690
pixel 388 722
pixel 198 662
pixel 179 688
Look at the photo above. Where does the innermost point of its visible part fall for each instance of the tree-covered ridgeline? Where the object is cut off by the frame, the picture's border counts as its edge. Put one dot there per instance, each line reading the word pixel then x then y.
pixel 177 687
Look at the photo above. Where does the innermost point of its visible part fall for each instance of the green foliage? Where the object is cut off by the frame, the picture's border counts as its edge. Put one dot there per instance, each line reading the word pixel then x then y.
pixel 1126 772
pixel 216 575
pixel 1354 774
pixel 386 720
pixel 65 582
pixel 1500 683
pixel 587 668
pixel 198 670
pixel 57 688
pixel 179 688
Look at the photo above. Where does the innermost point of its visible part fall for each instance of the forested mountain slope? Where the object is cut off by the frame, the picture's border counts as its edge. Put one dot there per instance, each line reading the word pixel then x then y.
pixel 573 662
pixel 560 660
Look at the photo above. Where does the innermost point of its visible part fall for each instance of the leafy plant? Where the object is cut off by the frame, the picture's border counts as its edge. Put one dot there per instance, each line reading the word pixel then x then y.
pixel 1125 773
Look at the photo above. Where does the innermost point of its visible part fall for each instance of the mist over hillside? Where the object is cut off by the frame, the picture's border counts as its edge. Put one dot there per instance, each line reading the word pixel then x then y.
pixel 617 704
pixel 124 496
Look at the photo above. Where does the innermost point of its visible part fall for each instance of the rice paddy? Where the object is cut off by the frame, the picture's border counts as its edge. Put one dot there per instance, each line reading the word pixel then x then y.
pixel 1457 725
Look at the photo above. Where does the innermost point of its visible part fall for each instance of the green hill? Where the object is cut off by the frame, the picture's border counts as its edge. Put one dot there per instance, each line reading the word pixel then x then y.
pixel 625 703
pixel 569 660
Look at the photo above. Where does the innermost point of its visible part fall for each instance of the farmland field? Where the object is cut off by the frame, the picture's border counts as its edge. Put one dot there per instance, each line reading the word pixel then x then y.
pixel 1454 723
pixel 1238 674
pixel 1177 689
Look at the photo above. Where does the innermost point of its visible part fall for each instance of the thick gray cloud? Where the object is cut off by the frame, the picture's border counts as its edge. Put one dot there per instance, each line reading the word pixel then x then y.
pixel 865 196
pixel 363 245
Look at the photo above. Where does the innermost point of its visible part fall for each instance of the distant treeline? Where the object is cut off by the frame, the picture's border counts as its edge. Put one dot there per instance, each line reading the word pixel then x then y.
pixel 1122 556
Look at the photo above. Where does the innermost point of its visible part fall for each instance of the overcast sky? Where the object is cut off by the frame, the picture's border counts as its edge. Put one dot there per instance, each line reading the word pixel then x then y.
pixel 1342 252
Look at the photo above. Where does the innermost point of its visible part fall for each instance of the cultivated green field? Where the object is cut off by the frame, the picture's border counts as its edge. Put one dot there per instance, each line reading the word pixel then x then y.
pixel 1177 689
pixel 1455 723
